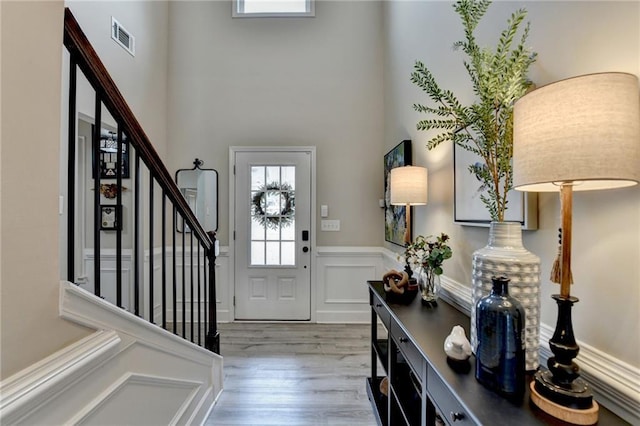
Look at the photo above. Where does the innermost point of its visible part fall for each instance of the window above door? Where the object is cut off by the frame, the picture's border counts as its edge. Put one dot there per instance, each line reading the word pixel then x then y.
pixel 273 8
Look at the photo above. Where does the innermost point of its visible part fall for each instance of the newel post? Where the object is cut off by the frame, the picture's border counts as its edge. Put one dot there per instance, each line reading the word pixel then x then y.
pixel 212 340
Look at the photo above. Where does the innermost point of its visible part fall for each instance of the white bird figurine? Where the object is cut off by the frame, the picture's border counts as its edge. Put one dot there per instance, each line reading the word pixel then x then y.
pixel 456 345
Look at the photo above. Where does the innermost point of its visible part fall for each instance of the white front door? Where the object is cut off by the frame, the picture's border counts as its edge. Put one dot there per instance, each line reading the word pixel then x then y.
pixel 272 235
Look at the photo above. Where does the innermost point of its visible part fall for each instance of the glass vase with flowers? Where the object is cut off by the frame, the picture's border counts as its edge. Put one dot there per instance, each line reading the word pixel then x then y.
pixel 425 255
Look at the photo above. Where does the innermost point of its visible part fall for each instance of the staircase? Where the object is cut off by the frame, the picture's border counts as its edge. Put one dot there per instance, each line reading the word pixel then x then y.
pixel 185 280
pixel 140 275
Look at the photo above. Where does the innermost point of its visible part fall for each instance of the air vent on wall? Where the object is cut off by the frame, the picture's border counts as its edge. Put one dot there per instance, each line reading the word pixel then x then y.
pixel 123 37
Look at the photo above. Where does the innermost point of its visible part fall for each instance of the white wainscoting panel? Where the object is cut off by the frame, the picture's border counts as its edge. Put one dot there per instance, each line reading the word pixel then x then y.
pixel 120 403
pixel 128 372
pixel 108 282
pixel 108 275
pixel 341 277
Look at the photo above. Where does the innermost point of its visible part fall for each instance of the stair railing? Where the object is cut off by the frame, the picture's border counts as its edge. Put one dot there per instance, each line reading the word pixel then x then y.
pixel 191 247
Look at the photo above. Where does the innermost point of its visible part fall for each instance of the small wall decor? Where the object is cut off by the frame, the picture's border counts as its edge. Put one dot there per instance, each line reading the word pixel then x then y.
pixel 110 190
pixel 109 155
pixel 394 216
pixel 109 217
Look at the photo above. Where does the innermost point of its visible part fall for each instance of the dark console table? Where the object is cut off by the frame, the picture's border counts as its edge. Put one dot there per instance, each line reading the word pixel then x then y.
pixel 424 388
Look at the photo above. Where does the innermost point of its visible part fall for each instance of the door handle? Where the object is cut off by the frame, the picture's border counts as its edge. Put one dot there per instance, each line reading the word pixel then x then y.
pixel 305 249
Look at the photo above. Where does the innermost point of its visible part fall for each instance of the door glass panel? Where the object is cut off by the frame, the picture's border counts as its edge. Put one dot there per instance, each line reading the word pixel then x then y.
pixel 289 176
pixel 273 207
pixel 288 253
pixel 273 215
pixel 288 233
pixel 273 174
pixel 257 178
pixel 273 232
pixel 257 253
pixel 273 253
pixel 257 230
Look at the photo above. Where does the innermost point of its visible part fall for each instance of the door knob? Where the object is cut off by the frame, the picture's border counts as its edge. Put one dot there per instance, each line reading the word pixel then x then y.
pixel 305 249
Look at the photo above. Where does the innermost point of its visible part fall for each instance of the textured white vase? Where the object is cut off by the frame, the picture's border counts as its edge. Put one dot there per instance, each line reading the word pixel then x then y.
pixel 505 255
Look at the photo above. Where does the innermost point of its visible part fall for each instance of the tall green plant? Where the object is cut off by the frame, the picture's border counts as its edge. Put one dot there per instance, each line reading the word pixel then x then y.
pixel 485 128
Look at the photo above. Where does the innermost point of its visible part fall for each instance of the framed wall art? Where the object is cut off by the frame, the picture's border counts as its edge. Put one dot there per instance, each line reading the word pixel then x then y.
pixel 394 216
pixel 469 209
pixel 108 157
pixel 109 217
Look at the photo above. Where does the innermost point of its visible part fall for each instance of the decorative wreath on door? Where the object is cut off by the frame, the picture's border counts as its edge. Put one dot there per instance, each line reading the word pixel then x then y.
pixel 287 205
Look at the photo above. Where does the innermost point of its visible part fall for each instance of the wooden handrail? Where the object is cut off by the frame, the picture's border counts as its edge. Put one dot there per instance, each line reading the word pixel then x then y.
pixel 96 73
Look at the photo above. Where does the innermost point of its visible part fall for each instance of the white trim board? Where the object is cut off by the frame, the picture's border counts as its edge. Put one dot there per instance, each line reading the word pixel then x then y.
pixel 122 372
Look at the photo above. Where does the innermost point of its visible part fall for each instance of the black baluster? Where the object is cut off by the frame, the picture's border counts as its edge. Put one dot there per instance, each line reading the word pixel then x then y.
pixel 164 259
pixel 71 173
pixel 184 295
pixel 191 282
pixel 119 165
pixel 136 237
pixel 151 284
pixel 199 299
pixel 97 213
pixel 175 272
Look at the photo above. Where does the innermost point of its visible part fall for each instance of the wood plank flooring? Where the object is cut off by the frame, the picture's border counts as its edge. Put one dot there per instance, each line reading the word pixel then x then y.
pixel 294 374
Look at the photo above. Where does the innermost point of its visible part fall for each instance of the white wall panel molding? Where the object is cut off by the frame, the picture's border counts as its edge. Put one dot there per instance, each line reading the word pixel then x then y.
pixel 130 391
pixel 341 275
pixel 152 377
pixel 224 289
pixel 34 386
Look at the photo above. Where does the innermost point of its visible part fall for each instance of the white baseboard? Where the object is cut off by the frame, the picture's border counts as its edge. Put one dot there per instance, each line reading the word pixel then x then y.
pixel 343 317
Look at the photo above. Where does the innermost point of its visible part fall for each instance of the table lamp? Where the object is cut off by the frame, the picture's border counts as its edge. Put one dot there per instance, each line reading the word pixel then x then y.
pixel 408 188
pixel 578 134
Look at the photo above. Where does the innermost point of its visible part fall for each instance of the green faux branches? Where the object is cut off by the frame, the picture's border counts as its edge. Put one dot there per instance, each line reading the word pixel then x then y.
pixel 485 128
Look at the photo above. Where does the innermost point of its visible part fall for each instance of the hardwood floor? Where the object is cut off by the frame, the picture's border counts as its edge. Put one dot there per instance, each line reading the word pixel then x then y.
pixel 294 374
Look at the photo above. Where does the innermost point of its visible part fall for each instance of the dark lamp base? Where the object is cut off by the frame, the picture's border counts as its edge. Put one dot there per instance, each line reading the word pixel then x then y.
pixel 575 395
pixel 578 416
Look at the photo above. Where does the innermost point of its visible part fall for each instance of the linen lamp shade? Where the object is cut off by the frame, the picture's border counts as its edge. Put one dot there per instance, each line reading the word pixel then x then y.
pixel 408 186
pixel 578 134
pixel 584 130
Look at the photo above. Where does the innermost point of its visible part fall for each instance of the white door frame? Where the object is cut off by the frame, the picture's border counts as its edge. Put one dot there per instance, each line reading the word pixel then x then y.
pixel 232 201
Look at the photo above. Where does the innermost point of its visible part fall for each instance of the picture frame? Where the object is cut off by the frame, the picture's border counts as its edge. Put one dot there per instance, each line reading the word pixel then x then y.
pixel 108 158
pixel 394 216
pixel 468 208
pixel 109 217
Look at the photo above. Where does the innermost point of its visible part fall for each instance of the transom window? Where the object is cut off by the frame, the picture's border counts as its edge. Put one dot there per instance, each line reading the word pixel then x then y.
pixel 273 8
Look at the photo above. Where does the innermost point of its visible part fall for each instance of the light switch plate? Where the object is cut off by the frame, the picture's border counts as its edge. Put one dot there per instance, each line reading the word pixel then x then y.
pixel 330 225
pixel 324 211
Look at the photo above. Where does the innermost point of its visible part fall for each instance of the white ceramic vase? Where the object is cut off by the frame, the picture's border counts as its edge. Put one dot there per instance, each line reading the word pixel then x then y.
pixel 505 255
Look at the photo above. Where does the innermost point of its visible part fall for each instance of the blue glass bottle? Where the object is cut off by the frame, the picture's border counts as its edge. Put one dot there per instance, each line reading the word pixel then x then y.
pixel 500 358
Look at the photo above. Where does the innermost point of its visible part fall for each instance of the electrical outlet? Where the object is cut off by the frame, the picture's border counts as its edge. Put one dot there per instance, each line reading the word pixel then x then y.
pixel 330 225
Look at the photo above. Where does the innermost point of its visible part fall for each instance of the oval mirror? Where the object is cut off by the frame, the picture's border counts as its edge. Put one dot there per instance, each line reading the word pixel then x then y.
pixel 200 189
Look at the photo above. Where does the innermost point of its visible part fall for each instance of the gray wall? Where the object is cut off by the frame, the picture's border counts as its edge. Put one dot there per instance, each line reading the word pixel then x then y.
pixel 571 38
pixel 289 81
